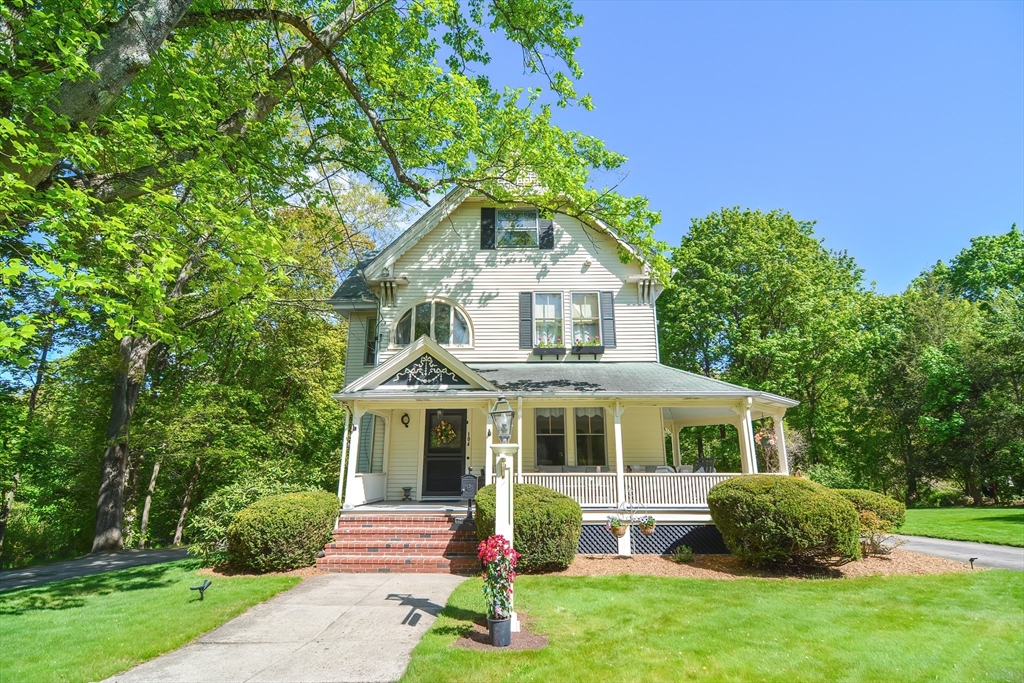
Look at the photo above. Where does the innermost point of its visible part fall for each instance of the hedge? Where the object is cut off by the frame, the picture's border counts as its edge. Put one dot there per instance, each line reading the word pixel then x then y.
pixel 282 532
pixel 546 526
pixel 893 512
pixel 770 519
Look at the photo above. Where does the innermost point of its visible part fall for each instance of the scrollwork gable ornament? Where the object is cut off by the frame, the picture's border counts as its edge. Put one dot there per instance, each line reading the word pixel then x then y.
pixel 426 371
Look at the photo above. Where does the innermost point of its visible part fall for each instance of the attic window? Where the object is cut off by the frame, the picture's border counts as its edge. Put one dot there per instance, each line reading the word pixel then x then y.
pixel 516 228
pixel 439 320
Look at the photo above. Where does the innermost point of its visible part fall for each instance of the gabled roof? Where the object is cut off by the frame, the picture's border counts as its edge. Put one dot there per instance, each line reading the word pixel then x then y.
pixel 354 294
pixel 415 232
pixel 377 381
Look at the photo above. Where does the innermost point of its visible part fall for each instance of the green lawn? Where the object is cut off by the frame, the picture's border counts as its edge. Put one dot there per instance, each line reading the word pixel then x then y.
pixel 986 525
pixel 953 627
pixel 90 628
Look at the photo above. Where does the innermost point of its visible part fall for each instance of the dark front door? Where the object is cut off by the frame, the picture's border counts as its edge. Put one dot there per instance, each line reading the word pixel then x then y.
pixel 444 452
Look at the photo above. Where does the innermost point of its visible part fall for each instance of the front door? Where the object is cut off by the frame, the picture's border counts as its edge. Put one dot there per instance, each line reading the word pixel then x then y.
pixel 444 453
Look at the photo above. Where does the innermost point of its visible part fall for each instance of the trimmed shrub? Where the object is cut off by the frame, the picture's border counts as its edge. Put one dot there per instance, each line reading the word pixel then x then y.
pixel 769 520
pixel 890 511
pixel 282 532
pixel 546 526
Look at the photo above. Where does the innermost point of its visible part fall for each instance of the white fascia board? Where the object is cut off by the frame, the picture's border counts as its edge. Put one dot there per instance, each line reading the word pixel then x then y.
pixel 422 345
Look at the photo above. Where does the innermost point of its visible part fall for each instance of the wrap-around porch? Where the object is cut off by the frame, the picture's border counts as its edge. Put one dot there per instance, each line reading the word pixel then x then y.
pixel 596 432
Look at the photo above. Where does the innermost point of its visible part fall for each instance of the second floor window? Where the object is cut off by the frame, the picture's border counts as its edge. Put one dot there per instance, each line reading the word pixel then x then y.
pixel 547 317
pixel 438 320
pixel 586 319
pixel 516 228
pixel 371 342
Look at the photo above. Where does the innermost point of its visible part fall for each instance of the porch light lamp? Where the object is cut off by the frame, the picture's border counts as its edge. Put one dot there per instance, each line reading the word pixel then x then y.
pixel 502 415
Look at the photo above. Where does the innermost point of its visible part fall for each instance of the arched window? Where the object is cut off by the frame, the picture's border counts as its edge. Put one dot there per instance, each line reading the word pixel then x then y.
pixel 439 320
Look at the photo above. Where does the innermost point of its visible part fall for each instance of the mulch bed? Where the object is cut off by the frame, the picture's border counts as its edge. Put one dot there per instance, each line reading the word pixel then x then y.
pixel 227 570
pixel 729 567
pixel 480 639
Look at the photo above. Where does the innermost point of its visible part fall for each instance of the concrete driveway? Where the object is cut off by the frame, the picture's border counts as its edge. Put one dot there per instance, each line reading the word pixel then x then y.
pixel 989 555
pixel 330 628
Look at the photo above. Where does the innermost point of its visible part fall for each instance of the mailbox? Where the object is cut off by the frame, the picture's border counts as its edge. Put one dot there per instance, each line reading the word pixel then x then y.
pixel 470 482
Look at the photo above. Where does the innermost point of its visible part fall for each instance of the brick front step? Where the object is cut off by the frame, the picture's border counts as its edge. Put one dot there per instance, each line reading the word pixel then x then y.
pixel 421 547
pixel 401 543
pixel 413 563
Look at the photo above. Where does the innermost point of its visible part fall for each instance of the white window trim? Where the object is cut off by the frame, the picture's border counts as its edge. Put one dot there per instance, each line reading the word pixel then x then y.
pixel 565 435
pixel 560 317
pixel 575 434
pixel 572 319
pixel 498 230
pixel 393 336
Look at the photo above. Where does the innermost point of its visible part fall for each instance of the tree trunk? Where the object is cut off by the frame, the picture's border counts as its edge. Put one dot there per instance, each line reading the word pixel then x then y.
pixel 184 505
pixel 700 445
pixel 127 384
pixel 5 512
pixel 144 525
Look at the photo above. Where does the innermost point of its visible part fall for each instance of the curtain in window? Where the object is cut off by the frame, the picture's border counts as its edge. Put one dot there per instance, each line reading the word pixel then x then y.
pixel 590 441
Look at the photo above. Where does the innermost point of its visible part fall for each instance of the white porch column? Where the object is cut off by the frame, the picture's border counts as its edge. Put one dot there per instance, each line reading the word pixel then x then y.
pixel 675 444
pixel 752 448
pixel 344 451
pixel 353 456
pixel 780 444
pixel 488 453
pixel 519 440
pixel 620 470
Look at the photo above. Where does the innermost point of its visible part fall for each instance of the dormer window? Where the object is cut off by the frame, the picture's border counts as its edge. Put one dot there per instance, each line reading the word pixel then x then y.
pixel 516 228
pixel 439 320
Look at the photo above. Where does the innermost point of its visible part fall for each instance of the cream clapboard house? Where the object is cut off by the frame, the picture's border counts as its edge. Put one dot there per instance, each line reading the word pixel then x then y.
pixel 476 300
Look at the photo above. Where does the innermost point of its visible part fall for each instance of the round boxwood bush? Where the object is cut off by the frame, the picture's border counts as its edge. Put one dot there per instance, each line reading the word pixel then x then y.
pixel 770 519
pixel 546 526
pixel 890 511
pixel 282 532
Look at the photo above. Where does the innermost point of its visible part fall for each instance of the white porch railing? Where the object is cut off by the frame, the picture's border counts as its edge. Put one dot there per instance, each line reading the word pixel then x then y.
pixel 653 490
pixel 589 490
pixel 665 490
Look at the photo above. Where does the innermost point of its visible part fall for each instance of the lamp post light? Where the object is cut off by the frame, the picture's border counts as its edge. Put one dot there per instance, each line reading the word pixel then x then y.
pixel 502 416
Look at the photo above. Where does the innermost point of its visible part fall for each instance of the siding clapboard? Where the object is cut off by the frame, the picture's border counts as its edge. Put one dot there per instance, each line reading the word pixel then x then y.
pixel 448 263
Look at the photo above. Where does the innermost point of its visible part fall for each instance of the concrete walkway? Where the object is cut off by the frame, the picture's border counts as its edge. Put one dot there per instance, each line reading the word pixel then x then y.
pixel 989 555
pixel 96 563
pixel 330 628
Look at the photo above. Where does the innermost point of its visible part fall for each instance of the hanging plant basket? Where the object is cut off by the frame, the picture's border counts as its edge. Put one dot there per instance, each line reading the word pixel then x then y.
pixel 647 529
pixel 618 531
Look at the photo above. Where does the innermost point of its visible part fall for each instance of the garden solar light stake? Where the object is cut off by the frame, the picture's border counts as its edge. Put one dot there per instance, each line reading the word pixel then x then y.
pixel 201 588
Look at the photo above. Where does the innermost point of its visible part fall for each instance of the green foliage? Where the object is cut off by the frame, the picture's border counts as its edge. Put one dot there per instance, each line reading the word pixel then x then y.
pixel 683 555
pixel 208 526
pixel 282 532
pixel 890 511
pixel 769 520
pixel 546 526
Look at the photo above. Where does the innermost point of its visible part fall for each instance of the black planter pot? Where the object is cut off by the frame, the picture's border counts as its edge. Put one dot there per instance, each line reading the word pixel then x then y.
pixel 501 631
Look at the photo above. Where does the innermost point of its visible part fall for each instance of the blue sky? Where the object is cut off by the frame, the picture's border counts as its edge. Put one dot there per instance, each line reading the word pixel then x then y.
pixel 899 127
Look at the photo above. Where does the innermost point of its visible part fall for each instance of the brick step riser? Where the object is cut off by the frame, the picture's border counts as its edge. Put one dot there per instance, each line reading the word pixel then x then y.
pixel 403 537
pixel 358 520
pixel 412 548
pixel 408 563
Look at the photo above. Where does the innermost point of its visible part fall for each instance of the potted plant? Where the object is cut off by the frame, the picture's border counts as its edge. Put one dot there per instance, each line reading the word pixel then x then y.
pixel 546 347
pixel 617 526
pixel 499 559
pixel 647 524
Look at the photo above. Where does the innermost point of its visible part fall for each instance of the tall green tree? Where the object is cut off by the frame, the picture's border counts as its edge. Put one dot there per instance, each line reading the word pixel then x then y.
pixel 147 147
pixel 759 301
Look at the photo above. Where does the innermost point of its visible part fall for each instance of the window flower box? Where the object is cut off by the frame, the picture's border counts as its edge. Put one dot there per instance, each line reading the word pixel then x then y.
pixel 542 351
pixel 587 349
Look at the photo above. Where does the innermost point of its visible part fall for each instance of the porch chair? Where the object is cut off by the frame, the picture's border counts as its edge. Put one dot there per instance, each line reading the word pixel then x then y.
pixel 706 465
pixel 684 469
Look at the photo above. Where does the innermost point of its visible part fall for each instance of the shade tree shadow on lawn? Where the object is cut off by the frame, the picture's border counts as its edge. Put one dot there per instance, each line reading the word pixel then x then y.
pixel 72 593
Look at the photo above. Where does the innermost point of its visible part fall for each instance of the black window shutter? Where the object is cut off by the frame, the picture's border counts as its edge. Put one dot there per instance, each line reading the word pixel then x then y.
pixel 547 234
pixel 487 228
pixel 526 320
pixel 608 320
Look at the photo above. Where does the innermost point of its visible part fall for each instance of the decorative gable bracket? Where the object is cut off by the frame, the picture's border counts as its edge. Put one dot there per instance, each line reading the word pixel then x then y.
pixel 647 287
pixel 387 290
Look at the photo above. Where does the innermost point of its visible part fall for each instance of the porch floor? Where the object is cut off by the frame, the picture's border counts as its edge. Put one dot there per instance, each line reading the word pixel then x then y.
pixel 590 515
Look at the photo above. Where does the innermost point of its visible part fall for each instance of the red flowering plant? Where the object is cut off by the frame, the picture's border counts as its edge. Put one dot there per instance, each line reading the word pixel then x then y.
pixel 499 558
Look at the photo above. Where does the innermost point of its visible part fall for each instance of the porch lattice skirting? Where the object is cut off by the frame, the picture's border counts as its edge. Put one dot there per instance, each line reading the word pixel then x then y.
pixel 702 539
